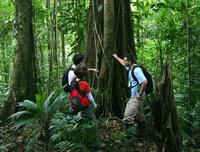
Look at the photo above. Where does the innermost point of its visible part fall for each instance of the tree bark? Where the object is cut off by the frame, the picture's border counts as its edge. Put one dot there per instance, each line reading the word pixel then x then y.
pixel 49 47
pixel 23 85
pixel 165 117
pixel 63 50
pixel 109 32
pixel 55 44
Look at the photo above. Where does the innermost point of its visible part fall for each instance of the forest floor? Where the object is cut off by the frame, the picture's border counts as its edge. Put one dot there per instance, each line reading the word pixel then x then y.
pixel 114 138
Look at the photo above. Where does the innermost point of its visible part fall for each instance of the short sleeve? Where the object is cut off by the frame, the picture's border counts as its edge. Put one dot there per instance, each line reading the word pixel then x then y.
pixel 71 76
pixel 139 75
pixel 84 87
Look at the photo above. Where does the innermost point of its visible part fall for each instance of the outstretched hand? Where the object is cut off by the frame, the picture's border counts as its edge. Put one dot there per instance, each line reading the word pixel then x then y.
pixel 114 55
pixel 95 105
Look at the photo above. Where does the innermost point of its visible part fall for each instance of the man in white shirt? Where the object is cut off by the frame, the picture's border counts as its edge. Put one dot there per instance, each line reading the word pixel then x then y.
pixel 134 107
pixel 77 61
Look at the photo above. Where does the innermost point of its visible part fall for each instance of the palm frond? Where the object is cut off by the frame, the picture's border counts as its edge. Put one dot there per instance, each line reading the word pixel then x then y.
pixel 19 114
pixel 48 101
pixel 69 146
pixel 24 122
pixel 56 104
pixel 31 142
pixel 28 104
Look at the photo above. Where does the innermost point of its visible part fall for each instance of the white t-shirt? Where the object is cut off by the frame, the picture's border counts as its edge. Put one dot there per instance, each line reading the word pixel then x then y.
pixel 132 83
pixel 71 75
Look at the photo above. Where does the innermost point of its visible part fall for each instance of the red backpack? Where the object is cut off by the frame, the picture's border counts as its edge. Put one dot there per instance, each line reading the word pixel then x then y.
pixel 78 99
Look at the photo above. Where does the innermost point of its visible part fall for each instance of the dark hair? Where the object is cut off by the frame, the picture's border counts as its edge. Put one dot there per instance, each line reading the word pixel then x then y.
pixel 81 71
pixel 130 57
pixel 78 58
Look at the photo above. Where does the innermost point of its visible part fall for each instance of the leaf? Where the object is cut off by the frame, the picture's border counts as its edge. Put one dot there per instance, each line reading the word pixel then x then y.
pixel 56 104
pixel 20 113
pixel 24 122
pixel 47 101
pixel 28 104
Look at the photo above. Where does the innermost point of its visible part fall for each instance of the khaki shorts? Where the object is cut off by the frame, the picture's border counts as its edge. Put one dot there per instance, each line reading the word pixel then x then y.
pixel 133 111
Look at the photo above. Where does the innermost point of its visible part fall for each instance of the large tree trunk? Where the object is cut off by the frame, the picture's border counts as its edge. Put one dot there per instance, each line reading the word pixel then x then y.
pixel 165 115
pixel 109 32
pixel 23 85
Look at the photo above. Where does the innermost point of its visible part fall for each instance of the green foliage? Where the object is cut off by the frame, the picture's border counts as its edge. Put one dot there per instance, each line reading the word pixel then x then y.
pixel 7 44
pixel 72 135
pixel 6 147
pixel 72 21
pixel 38 115
pixel 119 137
pixel 38 112
pixel 161 34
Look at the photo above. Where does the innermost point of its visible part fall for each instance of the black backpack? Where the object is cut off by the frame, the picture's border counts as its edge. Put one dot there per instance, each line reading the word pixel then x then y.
pixel 65 84
pixel 148 76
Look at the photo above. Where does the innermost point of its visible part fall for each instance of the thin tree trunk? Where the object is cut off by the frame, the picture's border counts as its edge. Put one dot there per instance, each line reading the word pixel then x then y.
pixel 23 83
pixel 5 68
pixel 49 47
pixel 138 29
pixel 188 47
pixel 160 56
pixel 55 46
pixel 63 50
pixel 35 59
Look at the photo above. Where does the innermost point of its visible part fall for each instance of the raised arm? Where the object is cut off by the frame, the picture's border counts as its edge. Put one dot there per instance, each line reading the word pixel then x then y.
pixel 121 61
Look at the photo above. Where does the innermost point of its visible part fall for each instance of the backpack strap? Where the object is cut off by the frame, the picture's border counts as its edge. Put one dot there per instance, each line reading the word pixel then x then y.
pixel 133 75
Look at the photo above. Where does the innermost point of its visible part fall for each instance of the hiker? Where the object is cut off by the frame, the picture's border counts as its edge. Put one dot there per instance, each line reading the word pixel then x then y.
pixel 69 73
pixel 81 97
pixel 134 107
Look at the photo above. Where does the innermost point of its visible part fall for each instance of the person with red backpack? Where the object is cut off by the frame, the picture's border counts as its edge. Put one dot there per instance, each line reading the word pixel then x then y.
pixel 69 75
pixel 81 98
pixel 139 83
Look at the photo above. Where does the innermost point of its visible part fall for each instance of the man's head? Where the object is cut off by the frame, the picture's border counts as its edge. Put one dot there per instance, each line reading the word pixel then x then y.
pixel 129 59
pixel 78 59
pixel 80 71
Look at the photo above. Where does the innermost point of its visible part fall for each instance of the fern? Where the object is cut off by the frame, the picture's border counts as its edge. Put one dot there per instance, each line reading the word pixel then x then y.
pixel 6 147
pixel 64 146
pixel 70 135
pixel 38 114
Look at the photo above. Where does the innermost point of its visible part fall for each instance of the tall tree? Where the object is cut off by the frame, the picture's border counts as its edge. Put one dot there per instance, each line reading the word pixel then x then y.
pixel 188 47
pixel 55 42
pixel 109 31
pixel 23 85
pixel 49 46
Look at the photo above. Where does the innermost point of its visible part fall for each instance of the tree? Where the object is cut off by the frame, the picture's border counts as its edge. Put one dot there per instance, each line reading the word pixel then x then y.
pixel 165 114
pixel 23 85
pixel 109 31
